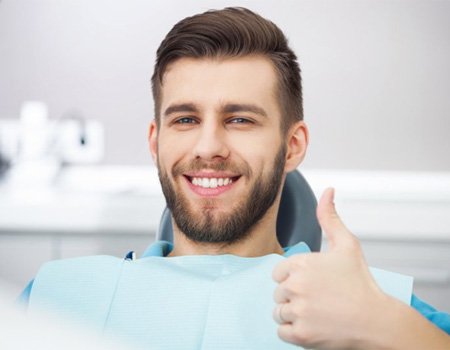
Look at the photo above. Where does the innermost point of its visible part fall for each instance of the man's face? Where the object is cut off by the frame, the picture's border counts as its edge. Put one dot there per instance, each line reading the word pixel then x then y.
pixel 219 149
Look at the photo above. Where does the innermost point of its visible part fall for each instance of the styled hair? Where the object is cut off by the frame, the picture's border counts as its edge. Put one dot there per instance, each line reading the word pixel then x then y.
pixel 233 32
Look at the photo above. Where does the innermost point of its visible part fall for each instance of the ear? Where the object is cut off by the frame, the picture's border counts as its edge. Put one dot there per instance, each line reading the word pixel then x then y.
pixel 298 137
pixel 153 140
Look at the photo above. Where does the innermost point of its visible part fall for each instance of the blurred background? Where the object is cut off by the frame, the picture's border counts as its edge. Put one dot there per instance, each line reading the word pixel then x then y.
pixel 76 177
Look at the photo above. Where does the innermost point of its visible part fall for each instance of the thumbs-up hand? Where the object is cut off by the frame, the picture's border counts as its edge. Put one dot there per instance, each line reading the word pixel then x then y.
pixel 324 300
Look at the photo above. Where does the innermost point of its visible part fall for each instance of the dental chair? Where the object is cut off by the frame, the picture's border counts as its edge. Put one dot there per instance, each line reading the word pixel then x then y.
pixel 296 221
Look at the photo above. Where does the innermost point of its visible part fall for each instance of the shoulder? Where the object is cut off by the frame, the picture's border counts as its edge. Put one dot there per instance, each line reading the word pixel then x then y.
pixel 66 269
pixel 71 274
pixel 24 297
pixel 439 318
pixel 88 267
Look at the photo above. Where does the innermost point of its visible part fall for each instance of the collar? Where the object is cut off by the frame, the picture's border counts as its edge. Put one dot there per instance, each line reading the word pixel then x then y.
pixel 163 248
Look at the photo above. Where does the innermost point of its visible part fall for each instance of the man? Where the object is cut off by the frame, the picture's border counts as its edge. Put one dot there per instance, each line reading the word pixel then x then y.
pixel 228 128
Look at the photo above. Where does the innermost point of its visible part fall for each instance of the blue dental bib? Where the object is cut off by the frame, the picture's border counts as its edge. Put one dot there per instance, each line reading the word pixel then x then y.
pixel 188 302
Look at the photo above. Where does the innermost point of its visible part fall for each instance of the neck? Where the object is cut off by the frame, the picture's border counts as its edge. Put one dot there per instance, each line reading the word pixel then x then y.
pixel 261 240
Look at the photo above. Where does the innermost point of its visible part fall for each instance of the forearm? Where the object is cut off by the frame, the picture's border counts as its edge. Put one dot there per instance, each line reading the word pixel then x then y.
pixel 398 326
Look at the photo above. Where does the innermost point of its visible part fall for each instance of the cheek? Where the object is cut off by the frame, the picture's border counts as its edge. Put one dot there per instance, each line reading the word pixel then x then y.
pixel 177 141
pixel 254 159
pixel 173 150
pixel 259 151
pixel 168 153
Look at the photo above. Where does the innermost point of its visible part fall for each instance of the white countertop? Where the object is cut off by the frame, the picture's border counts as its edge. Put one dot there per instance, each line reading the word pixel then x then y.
pixel 119 199
pixel 101 199
pixel 389 205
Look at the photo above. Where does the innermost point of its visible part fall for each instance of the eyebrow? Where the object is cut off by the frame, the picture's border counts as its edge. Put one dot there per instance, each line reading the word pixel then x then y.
pixel 181 107
pixel 237 107
pixel 227 108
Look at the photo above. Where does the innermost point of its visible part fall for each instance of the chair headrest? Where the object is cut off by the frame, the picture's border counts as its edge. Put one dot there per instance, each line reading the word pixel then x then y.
pixel 297 218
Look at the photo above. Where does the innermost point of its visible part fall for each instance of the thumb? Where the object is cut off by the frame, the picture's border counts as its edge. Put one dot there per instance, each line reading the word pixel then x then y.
pixel 337 234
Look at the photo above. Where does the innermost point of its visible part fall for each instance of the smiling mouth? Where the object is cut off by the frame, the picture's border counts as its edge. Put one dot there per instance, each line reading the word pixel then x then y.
pixel 211 182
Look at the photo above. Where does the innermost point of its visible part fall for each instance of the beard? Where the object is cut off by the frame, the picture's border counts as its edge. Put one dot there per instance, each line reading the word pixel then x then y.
pixel 229 227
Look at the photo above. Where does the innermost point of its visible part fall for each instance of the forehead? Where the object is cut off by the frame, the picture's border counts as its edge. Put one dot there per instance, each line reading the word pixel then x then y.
pixel 208 81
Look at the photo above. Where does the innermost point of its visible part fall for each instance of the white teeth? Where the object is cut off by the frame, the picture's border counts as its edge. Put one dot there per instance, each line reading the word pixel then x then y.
pixel 212 182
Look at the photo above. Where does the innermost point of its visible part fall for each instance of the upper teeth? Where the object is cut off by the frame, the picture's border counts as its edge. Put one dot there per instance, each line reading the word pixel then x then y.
pixel 211 182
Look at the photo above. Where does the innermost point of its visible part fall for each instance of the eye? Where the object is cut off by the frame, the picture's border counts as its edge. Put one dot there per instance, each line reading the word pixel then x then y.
pixel 239 120
pixel 185 120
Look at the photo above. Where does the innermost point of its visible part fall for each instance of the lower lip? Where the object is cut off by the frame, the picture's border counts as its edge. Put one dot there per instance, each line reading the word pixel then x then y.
pixel 209 192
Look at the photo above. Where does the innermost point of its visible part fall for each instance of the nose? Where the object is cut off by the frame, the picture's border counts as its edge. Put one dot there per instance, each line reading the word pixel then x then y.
pixel 211 142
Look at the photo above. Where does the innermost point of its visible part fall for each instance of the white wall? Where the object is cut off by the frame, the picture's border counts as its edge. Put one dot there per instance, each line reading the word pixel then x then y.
pixel 376 73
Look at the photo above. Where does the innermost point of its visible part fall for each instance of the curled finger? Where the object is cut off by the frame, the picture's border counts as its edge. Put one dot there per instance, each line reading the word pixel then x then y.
pixel 281 295
pixel 278 314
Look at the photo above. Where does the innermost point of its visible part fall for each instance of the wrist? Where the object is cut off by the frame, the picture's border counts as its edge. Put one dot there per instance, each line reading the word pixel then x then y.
pixel 395 325
pixel 383 323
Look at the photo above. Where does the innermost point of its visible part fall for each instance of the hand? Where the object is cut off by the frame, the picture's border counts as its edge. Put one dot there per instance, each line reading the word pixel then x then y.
pixel 325 300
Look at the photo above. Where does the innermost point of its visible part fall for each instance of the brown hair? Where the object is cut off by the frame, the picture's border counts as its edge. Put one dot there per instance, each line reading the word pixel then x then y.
pixel 233 32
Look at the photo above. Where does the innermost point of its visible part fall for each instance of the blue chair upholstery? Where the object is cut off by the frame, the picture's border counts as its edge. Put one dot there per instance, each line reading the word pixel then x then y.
pixel 296 221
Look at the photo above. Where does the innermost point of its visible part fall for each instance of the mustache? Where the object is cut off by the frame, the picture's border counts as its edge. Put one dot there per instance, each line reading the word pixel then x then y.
pixel 216 165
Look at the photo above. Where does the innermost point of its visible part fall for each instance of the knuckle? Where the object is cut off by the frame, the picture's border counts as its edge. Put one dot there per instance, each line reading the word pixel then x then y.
pixel 334 215
pixel 279 272
pixel 303 336
pixel 300 308
pixel 287 334
pixel 278 295
pixel 299 262
pixel 353 243
pixel 290 287
pixel 276 274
